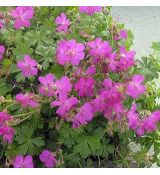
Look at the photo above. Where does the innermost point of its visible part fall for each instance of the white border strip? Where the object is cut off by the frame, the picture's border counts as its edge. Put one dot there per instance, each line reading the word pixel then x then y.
pixel 80 171
pixel 79 2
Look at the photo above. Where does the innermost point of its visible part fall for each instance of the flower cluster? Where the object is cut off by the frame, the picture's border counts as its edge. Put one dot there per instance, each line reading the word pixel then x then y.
pixel 47 157
pixel 27 100
pixel 80 96
pixel 6 131
pixel 23 162
pixel 140 126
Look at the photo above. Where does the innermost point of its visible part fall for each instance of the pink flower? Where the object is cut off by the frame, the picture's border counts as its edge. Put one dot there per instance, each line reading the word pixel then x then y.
pixel 109 101
pixel 150 123
pixel 27 100
pixel 22 16
pixel 84 115
pixel 91 70
pixel 140 131
pixel 133 117
pixel 99 48
pixel 85 86
pixel 140 126
pixel 28 66
pixel 123 34
pixel 65 105
pixel 23 162
pixel 90 10
pixel 2 50
pixel 112 62
pixel 70 52
pixel 47 86
pixel 1 24
pixel 155 116
pixel 63 87
pixel 4 117
pixel 62 22
pixel 135 87
pixel 7 133
pixel 126 58
pixel 48 159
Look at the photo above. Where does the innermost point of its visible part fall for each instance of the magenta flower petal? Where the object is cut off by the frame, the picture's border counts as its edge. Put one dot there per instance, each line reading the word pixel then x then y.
pixel 62 23
pixel 47 86
pixel 22 16
pixel 135 88
pixel 18 162
pixel 85 87
pixel 70 52
pixel 84 115
pixel 27 100
pixel 48 159
pixel 28 66
pixel 23 162
pixel 99 48
pixel 123 34
pixel 65 105
pixel 2 50
pixel 90 10
pixel 28 162
pixel 64 87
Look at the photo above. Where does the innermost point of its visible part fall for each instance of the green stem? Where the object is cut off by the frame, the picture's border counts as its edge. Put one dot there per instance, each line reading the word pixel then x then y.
pixel 90 26
pixel 46 101
pixel 20 115
pixel 21 120
pixel 80 165
pixel 99 162
pixel 26 118
pixel 10 105
pixel 8 101
pixel 122 158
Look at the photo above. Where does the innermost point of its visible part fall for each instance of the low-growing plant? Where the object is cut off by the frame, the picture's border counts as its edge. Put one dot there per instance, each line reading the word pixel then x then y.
pixel 72 93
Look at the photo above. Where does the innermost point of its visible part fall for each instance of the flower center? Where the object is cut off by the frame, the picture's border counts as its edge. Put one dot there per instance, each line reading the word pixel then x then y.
pixel 27 69
pixel 71 52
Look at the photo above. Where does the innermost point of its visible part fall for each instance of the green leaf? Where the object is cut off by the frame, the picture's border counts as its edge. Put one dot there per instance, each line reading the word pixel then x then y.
pixel 38 141
pixel 27 144
pixel 68 136
pixel 156 46
pixel 22 149
pixel 13 68
pixel 5 87
pixel 20 78
pixel 57 70
pixel 26 131
pixel 47 54
pixel 87 145
pixel 83 148
pixel 22 48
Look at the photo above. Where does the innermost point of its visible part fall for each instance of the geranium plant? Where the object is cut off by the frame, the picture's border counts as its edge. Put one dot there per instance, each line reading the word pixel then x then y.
pixel 71 90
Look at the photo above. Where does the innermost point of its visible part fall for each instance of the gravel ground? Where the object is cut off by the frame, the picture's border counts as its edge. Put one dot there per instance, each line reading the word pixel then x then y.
pixel 144 23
